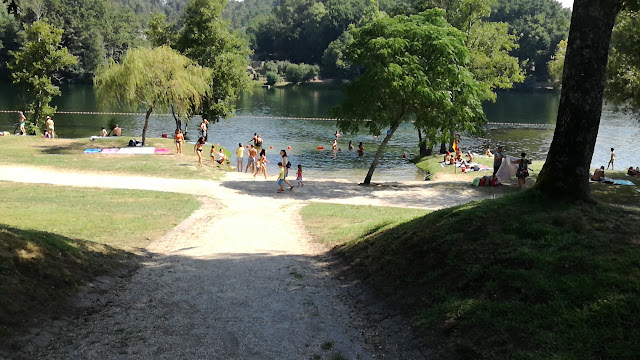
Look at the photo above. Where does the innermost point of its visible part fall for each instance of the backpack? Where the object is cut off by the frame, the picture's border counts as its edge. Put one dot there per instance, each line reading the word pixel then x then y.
pixel 288 166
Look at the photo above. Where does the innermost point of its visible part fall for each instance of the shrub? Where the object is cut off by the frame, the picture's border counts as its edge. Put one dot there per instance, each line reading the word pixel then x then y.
pixel 272 78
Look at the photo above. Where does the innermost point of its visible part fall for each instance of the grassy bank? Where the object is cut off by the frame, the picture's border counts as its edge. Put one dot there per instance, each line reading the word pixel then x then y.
pixel 519 277
pixel 54 239
pixel 431 165
pixel 69 154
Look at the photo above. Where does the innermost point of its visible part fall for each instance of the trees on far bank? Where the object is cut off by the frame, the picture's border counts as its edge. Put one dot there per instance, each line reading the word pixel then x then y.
pixel 414 69
pixel 36 63
pixel 158 78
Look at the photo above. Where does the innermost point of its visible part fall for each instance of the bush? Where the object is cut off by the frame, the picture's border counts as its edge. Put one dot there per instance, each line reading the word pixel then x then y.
pixel 271 66
pixel 300 73
pixel 272 78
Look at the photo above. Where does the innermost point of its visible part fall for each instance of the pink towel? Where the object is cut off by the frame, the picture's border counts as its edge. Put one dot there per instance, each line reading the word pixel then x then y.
pixel 162 151
pixel 109 151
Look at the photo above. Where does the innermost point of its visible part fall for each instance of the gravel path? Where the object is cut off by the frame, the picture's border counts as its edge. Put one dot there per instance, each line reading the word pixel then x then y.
pixel 239 279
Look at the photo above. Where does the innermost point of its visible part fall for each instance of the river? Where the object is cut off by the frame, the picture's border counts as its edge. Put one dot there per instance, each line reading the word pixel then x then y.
pixel 276 114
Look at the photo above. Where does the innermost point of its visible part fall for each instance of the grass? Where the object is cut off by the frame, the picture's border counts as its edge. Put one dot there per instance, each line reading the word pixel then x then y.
pixel 69 154
pixel 431 165
pixel 54 239
pixel 519 277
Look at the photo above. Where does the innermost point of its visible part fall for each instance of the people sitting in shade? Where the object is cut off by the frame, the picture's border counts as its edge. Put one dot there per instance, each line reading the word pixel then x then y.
pixel 598 175
pixel 633 172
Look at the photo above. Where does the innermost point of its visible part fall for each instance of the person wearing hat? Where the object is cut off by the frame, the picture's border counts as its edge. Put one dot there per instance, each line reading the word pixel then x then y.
pixel 497 159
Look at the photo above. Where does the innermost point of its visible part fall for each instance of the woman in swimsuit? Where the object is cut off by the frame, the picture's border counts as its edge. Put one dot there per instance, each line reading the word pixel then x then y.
pixel 179 141
pixel 197 148
pixel 360 149
pixel 261 165
pixel 23 121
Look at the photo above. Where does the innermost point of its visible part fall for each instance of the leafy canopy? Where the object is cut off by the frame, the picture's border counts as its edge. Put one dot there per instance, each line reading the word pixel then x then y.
pixel 39 59
pixel 155 78
pixel 623 70
pixel 415 69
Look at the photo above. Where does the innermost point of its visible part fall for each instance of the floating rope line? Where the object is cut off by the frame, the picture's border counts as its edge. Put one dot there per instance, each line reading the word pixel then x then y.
pixel 267 117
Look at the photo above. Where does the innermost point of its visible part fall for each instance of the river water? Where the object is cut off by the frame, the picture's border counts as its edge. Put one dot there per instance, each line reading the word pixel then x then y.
pixel 281 115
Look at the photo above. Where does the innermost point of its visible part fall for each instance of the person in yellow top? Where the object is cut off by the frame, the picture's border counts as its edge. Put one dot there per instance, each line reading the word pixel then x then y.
pixel 281 178
pixel 240 157
pixel 50 127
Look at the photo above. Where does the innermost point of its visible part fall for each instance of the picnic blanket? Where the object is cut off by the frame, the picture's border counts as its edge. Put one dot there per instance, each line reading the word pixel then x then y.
pixel 146 150
pixel 507 169
pixel 162 151
pixel 109 151
pixel 91 151
pixel 623 182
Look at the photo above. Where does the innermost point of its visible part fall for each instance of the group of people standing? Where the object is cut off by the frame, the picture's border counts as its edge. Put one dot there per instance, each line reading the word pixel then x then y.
pixel 49 131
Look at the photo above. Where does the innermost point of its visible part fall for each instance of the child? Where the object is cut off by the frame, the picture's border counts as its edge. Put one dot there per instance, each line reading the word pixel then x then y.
pixel 334 145
pixel 213 154
pixel 281 177
pixel 612 159
pixel 299 176
pixel 221 157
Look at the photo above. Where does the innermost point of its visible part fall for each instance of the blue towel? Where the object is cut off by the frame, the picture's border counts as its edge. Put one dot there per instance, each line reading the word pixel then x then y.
pixel 92 151
pixel 623 182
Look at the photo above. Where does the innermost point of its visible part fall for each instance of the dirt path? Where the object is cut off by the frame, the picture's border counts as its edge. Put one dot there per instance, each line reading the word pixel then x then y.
pixel 239 279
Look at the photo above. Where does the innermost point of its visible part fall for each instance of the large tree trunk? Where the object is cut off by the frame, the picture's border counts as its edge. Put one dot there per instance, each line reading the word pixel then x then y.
pixel 424 151
pixel 566 171
pixel 146 125
pixel 367 179
pixel 177 120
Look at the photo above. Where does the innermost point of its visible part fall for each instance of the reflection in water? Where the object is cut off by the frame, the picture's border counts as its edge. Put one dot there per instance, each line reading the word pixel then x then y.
pixel 304 136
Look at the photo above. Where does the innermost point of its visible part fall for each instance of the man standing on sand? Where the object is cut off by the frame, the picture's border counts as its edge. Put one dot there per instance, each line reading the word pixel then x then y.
pixel 252 159
pixel 497 159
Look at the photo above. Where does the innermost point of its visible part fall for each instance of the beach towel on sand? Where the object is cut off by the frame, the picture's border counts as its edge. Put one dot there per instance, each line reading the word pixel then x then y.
pixel 91 151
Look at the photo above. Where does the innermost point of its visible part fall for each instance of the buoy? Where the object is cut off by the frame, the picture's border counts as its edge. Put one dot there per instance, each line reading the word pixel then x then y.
pixel 271 147
pixel 404 156
pixel 339 149
pixel 247 146
pixel 320 147
pixel 288 147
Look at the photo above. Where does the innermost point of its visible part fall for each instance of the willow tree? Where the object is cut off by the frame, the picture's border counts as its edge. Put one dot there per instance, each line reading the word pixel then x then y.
pixel 158 78
pixel 414 70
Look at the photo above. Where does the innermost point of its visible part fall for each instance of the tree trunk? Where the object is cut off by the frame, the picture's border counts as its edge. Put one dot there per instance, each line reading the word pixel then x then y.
pixel 423 145
pixel 177 120
pixel 367 179
pixel 443 148
pixel 146 125
pixel 566 172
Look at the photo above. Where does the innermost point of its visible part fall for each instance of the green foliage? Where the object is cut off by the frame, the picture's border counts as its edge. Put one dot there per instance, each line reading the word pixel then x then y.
pixel 542 24
pixel 558 282
pixel 272 78
pixel 334 63
pixel 159 31
pixel 155 78
pixel 40 58
pixel 301 73
pixel 271 66
pixel 205 38
pixel 623 70
pixel 414 69
pixel 556 65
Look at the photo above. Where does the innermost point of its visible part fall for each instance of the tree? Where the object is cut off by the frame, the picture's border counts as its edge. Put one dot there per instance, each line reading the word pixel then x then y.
pixel 205 38
pixel 623 70
pixel 414 69
pixel 556 65
pixel 158 78
pixel 565 174
pixel 39 59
